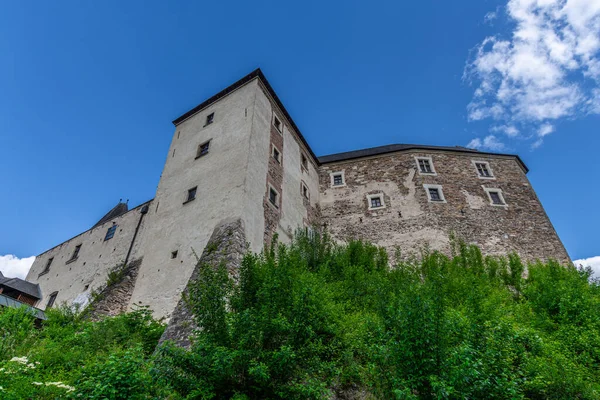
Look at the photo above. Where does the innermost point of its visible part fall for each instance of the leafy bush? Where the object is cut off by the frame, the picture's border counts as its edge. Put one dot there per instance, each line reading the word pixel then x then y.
pixel 315 320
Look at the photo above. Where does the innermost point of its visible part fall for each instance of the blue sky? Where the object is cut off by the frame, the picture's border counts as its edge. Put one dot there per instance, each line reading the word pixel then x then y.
pixel 89 90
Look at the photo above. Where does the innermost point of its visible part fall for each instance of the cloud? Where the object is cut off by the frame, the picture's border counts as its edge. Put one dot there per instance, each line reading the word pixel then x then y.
pixel 592 262
pixel 548 69
pixel 488 143
pixel 509 130
pixel 489 17
pixel 14 267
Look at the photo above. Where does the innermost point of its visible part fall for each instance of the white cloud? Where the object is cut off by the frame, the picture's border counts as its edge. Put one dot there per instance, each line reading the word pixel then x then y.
pixel 14 267
pixel 509 130
pixel 489 17
pixel 593 262
pixel 488 143
pixel 548 69
pixel 545 129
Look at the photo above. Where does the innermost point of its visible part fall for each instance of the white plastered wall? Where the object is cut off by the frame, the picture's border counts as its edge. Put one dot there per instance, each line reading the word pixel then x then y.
pixel 75 280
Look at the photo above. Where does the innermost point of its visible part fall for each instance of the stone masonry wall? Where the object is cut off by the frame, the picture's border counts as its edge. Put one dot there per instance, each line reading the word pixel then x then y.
pixel 275 181
pixel 410 222
pixel 114 298
pixel 227 244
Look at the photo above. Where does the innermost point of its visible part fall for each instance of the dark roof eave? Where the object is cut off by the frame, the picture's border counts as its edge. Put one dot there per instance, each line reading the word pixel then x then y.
pixel 257 73
pixel 352 155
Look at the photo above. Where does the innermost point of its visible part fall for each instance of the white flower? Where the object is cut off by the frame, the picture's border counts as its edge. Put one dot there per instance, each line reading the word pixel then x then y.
pixel 31 366
pixel 20 360
pixel 61 385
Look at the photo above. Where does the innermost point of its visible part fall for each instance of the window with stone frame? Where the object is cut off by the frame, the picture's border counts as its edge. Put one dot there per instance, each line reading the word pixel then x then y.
pixel 191 194
pixel 304 161
pixel 110 233
pixel 75 253
pixel 496 197
pixel 210 119
pixel 483 169
pixel 47 267
pixel 375 202
pixel 274 197
pixel 277 123
pixel 435 193
pixel 203 149
pixel 51 300
pixel 338 179
pixel 276 154
pixel 304 190
pixel 425 165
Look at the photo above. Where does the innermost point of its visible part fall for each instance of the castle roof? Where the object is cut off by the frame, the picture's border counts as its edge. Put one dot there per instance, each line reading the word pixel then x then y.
pixel 390 148
pixel 30 289
pixel 257 73
pixel 117 210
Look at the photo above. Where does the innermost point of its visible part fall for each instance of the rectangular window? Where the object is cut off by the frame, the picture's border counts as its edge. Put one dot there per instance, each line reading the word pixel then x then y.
pixel 304 190
pixel 434 194
pixel 483 169
pixel 76 252
pixel 276 155
pixel 273 197
pixel 191 194
pixel 203 149
pixel 304 161
pixel 277 123
pixel 51 300
pixel 425 166
pixel 110 233
pixel 210 119
pixel 47 267
pixel 496 199
pixel 338 180
pixel 496 196
pixel 375 202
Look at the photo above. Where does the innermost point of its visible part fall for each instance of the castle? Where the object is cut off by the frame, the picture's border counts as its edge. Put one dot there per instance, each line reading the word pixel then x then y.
pixel 238 160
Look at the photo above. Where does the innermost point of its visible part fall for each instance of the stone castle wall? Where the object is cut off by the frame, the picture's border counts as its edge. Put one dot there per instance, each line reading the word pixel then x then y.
pixel 410 222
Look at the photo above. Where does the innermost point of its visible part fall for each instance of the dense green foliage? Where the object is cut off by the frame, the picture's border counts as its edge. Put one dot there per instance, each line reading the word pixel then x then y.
pixel 313 319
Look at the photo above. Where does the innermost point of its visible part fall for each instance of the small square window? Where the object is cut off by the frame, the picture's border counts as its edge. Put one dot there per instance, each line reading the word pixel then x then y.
pixel 425 165
pixel 110 232
pixel 338 180
pixel 273 197
pixel 203 149
pixel 210 119
pixel 304 161
pixel 483 169
pixel 277 123
pixel 174 254
pixel 375 201
pixel 276 155
pixel 496 199
pixel 191 194
pixel 51 300
pixel 435 193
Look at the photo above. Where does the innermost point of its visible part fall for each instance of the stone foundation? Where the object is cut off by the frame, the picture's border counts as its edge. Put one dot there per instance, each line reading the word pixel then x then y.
pixel 227 244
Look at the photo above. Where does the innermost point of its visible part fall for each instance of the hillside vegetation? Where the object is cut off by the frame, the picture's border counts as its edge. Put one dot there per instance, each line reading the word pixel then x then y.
pixel 319 320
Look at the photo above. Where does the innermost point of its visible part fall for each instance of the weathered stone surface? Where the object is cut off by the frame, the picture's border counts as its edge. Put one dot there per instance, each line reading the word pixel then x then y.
pixel 114 298
pixel 409 222
pixel 227 244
